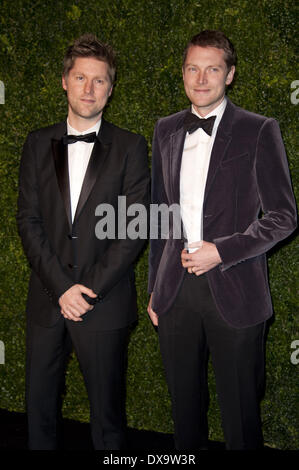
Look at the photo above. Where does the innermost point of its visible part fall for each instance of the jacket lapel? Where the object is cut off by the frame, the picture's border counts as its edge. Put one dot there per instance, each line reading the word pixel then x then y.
pixel 177 140
pixel 221 143
pixel 99 153
pixel 60 156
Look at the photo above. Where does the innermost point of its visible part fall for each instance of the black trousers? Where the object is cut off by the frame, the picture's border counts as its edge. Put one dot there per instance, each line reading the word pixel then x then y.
pixel 102 359
pixel 188 333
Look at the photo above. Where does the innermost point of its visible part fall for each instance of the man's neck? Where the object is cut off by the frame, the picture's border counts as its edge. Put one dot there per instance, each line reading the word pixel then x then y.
pixel 214 110
pixel 204 112
pixel 81 124
pixel 78 126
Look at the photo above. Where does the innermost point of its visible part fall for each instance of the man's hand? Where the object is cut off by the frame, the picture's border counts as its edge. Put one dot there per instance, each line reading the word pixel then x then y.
pixel 206 257
pixel 73 305
pixel 153 316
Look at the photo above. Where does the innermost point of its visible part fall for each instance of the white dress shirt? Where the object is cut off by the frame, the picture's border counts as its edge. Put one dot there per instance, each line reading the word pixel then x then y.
pixel 194 170
pixel 78 159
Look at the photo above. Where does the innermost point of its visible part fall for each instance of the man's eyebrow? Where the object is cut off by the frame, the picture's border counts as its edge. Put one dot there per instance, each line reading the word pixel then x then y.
pixel 196 65
pixel 78 72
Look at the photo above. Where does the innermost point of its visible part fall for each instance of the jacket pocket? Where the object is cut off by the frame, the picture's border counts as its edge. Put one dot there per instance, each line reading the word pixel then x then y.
pixel 244 157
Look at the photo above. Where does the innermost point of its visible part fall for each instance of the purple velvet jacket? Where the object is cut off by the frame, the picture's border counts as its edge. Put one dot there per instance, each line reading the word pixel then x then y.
pixel 248 207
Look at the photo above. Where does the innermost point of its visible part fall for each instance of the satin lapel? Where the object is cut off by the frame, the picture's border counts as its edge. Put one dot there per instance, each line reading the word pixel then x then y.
pixel 221 143
pixel 176 152
pixel 96 161
pixel 60 156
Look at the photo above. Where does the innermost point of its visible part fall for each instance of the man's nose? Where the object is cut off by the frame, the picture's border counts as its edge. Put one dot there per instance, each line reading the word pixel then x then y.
pixel 201 77
pixel 88 88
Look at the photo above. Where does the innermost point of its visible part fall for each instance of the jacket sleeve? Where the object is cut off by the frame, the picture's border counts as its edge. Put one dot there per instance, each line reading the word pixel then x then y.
pixel 122 253
pixel 37 248
pixel 158 196
pixel 276 199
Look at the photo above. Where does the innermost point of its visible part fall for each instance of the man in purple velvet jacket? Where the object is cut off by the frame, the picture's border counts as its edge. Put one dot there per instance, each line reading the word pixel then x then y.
pixel 227 169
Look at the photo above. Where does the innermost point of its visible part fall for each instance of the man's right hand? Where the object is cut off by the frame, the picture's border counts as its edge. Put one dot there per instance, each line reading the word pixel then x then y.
pixel 73 305
pixel 153 316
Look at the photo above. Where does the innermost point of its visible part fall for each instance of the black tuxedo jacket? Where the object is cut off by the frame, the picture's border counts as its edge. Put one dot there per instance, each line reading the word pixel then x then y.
pixel 248 207
pixel 62 253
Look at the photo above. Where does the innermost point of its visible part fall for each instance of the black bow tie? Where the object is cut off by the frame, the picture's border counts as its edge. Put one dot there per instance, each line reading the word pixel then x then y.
pixel 192 123
pixel 71 139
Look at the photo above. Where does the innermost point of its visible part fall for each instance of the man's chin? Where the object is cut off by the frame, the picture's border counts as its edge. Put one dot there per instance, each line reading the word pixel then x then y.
pixel 90 116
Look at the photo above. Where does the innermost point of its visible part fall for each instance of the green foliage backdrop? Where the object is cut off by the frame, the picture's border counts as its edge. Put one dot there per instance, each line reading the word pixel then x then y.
pixel 149 36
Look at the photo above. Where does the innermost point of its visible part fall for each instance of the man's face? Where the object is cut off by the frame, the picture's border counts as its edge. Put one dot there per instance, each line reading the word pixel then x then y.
pixel 205 76
pixel 88 88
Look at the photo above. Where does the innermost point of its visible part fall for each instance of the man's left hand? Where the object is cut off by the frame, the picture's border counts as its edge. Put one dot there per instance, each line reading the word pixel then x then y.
pixel 206 257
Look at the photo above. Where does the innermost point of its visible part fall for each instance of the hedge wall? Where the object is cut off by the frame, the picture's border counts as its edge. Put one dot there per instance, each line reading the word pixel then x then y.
pixel 149 36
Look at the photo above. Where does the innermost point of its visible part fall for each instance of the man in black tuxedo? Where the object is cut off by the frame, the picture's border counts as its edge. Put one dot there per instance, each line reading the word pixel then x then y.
pixel 81 290
pixel 227 169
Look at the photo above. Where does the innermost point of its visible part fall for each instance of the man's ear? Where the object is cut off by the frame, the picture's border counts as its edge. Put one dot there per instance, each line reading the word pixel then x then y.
pixel 230 75
pixel 64 82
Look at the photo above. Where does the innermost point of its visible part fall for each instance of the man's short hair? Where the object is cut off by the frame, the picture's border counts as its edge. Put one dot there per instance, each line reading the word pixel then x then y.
pixel 89 46
pixel 213 38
